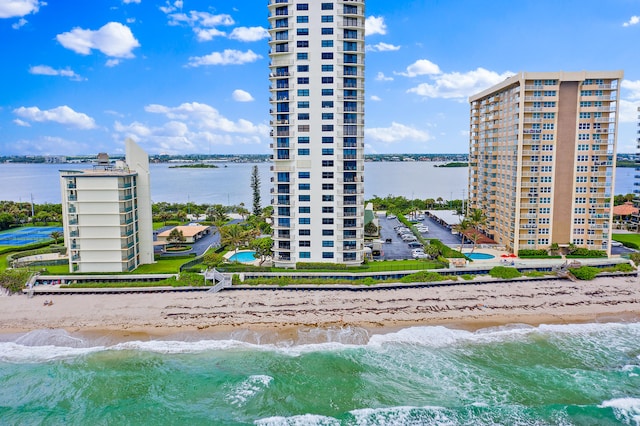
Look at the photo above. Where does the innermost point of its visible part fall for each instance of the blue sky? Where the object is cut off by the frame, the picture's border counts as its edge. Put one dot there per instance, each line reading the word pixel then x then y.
pixel 190 76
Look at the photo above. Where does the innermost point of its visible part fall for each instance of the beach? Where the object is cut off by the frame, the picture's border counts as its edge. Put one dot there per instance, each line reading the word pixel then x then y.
pixel 469 306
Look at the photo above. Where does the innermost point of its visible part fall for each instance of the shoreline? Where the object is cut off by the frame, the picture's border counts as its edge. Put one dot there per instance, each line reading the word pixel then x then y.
pixel 282 315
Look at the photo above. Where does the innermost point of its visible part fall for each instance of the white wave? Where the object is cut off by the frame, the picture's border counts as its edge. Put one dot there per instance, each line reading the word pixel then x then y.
pixel 403 416
pixel 625 409
pixel 248 389
pixel 303 420
pixel 14 353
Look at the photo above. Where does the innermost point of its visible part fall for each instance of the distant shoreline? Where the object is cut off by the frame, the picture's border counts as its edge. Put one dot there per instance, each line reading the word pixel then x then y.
pixel 194 166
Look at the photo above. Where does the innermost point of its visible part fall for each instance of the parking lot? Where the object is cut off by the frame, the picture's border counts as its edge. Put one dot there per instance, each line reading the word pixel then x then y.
pixel 397 249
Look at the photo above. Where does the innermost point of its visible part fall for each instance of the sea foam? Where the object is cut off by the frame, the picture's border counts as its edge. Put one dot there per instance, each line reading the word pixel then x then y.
pixel 625 409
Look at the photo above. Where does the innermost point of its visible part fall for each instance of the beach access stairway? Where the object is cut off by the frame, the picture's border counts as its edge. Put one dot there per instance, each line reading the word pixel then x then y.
pixel 220 280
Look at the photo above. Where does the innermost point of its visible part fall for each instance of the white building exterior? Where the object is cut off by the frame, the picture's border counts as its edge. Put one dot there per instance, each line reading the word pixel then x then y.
pixel 317 116
pixel 106 214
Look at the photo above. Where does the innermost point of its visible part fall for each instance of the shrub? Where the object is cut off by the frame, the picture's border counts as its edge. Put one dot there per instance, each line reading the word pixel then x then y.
pixel 14 279
pixel 624 267
pixel 319 265
pixel 583 252
pixel 586 273
pixel 504 272
pixel 422 276
pixel 467 277
pixel 635 258
pixel 532 253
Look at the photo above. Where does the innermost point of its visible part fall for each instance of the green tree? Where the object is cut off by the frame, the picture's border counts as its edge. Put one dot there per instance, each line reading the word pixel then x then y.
pixel 262 247
pixel 56 235
pixel 371 229
pixel 6 220
pixel 463 228
pixel 477 220
pixel 233 235
pixel 255 188
pixel 217 213
pixel 176 237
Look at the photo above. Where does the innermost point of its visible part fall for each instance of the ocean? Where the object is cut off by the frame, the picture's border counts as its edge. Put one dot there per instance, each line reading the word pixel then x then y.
pixel 230 183
pixel 579 374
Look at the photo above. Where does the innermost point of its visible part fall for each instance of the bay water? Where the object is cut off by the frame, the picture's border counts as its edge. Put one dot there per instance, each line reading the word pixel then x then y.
pixel 230 183
pixel 580 374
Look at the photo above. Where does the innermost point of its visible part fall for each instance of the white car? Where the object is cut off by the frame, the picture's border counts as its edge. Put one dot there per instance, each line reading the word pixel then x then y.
pixel 616 244
pixel 407 238
pixel 420 256
pixel 391 216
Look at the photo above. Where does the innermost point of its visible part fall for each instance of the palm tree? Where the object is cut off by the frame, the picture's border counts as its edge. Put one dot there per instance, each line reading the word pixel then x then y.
pixel 463 228
pixel 56 235
pixel 234 235
pixel 440 200
pixel 477 220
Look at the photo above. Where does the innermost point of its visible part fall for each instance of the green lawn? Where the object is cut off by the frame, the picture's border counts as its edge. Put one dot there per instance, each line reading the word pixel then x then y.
pixel 162 266
pixel 627 238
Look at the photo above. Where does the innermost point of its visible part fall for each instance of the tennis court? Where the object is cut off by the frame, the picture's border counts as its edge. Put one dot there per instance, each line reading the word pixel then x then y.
pixel 28 235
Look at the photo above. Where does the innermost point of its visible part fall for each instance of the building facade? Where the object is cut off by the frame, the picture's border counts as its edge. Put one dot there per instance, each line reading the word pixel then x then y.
pixel 316 74
pixel 106 213
pixel 635 219
pixel 542 158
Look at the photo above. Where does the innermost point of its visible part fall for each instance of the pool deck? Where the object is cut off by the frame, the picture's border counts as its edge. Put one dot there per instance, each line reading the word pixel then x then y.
pixel 230 254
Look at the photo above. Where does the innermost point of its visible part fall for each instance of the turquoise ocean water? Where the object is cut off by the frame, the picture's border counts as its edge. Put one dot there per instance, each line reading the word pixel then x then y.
pixel 584 374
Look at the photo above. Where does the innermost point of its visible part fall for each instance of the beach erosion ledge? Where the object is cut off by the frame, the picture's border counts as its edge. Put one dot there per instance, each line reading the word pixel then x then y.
pixel 604 299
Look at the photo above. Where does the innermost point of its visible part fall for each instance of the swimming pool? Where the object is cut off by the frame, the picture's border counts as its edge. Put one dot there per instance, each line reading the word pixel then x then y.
pixel 243 257
pixel 479 256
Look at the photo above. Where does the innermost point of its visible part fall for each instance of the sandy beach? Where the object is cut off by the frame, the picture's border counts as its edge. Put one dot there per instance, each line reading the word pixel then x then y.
pixel 464 306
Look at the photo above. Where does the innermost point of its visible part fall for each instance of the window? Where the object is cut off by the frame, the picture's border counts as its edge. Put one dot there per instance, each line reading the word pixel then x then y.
pixel 302 43
pixel 327 55
pixel 303 232
pixel 327 163
pixel 327 116
pixel 305 197
pixel 304 186
pixel 303 56
pixel 327 209
pixel 304 243
pixel 327 104
pixel 327 186
pixel 327 221
pixel 585 115
pixel 327 6
pixel 302 6
pixel 304 209
pixel 548 126
pixel 327 243
pixel 327 175
pixel 302 31
pixel 327 31
pixel 303 92
pixel 303 80
pixel 303 139
pixel 583 136
pixel 303 68
pixel 303 104
pixel 305 255
pixel 303 116
pixel 327 255
pixel 327 232
pixel 303 128
pixel 327 18
pixel 327 80
pixel 303 151
pixel 327 139
pixel 584 126
pixel 302 19
pixel 327 198
pixel 327 68
pixel 549 115
pixel 327 92
pixel 304 221
pixel 327 127
pixel 304 175
pixel 326 43
pixel 327 151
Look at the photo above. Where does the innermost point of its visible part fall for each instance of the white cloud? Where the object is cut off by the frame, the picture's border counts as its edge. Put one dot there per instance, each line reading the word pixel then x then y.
pixel 47 70
pixel 628 111
pixel 381 77
pixel 21 23
pixel 382 47
pixel 130 1
pixel 396 133
pixel 208 34
pixel 632 21
pixel 374 25
pixel 51 145
pixel 112 63
pixel 375 98
pixel 62 114
pixel 458 85
pixel 633 87
pixel 192 127
pixel 242 96
pixel 21 123
pixel 131 20
pixel 113 39
pixel 19 8
pixel 228 57
pixel 249 33
pixel 421 67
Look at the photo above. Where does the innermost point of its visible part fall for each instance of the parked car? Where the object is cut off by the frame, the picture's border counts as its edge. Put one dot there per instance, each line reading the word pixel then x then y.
pixel 407 238
pixel 415 245
pixel 391 216
pixel 616 244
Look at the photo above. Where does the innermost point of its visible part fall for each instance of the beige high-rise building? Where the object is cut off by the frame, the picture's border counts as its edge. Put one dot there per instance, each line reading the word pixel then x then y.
pixel 542 158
